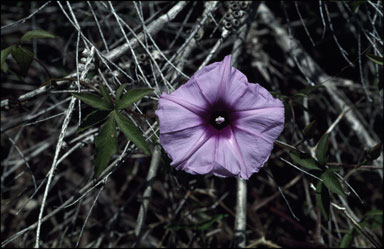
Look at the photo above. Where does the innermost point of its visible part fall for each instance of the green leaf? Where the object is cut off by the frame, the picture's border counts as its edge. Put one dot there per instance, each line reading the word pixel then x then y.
pixel 309 130
pixel 279 95
pixel 178 227
pixel 120 91
pixel 131 132
pixel 105 94
pixel 374 212
pixel 4 54
pixel 155 106
pixel 322 149
pixel 91 73
pixel 92 119
pixel 131 96
pixel 334 168
pixel 23 57
pixel 93 100
pixel 106 145
pixel 379 85
pixel 36 34
pixel 377 59
pixel 348 237
pixel 322 200
pixel 374 217
pixel 332 183
pixel 305 92
pixel 374 152
pixel 356 4
pixel 208 223
pixel 304 160
pixel 202 226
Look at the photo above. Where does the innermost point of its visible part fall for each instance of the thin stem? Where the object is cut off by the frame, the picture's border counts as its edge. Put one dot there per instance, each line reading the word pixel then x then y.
pixel 148 191
pixel 241 214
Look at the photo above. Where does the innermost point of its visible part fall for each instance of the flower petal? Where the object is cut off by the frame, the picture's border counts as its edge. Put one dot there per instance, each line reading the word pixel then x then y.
pixel 241 148
pixel 182 144
pixel 174 116
pixel 219 155
pixel 221 83
pixel 254 97
pixel 191 93
pixel 262 114
pixel 255 149
pixel 202 161
pixel 229 155
pixel 213 79
pixel 266 121
pixel 256 134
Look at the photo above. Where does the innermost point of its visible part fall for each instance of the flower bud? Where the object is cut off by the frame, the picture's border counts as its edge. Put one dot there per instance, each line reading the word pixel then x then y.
pixel 227 24
pixel 234 5
pixel 244 5
pixel 228 16
pixel 86 52
pixel 374 152
pixel 238 14
pixel 97 78
pixel 199 34
pixel 235 23
pixel 141 57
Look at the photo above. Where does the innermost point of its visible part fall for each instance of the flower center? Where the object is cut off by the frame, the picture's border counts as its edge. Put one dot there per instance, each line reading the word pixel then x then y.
pixel 219 119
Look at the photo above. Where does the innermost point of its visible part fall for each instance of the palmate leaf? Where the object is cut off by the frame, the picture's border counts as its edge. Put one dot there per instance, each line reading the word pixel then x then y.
pixel 131 132
pixel 106 145
pixel 36 34
pixel 374 152
pixel 131 96
pixel 322 200
pixel 309 130
pixel 105 94
pixel 92 119
pixel 202 226
pixel 348 238
pixel 331 182
pixel 304 160
pixel 305 92
pixel 208 223
pixel 372 219
pixel 376 218
pixel 119 91
pixel 374 212
pixel 377 59
pixel 322 149
pixel 356 3
pixel 23 57
pixel 93 100
pixel 4 54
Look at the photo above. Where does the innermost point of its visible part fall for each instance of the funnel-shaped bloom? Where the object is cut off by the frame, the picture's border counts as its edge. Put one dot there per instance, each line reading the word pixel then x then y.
pixel 219 123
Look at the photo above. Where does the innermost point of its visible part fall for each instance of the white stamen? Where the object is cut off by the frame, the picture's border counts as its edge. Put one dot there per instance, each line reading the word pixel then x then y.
pixel 219 120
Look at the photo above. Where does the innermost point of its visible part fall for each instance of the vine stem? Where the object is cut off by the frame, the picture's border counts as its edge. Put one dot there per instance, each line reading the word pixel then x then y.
pixel 239 238
pixel 148 191
pixel 241 214
pixel 58 149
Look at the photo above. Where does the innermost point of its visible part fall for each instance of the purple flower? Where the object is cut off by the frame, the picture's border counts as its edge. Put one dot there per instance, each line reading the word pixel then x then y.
pixel 219 123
